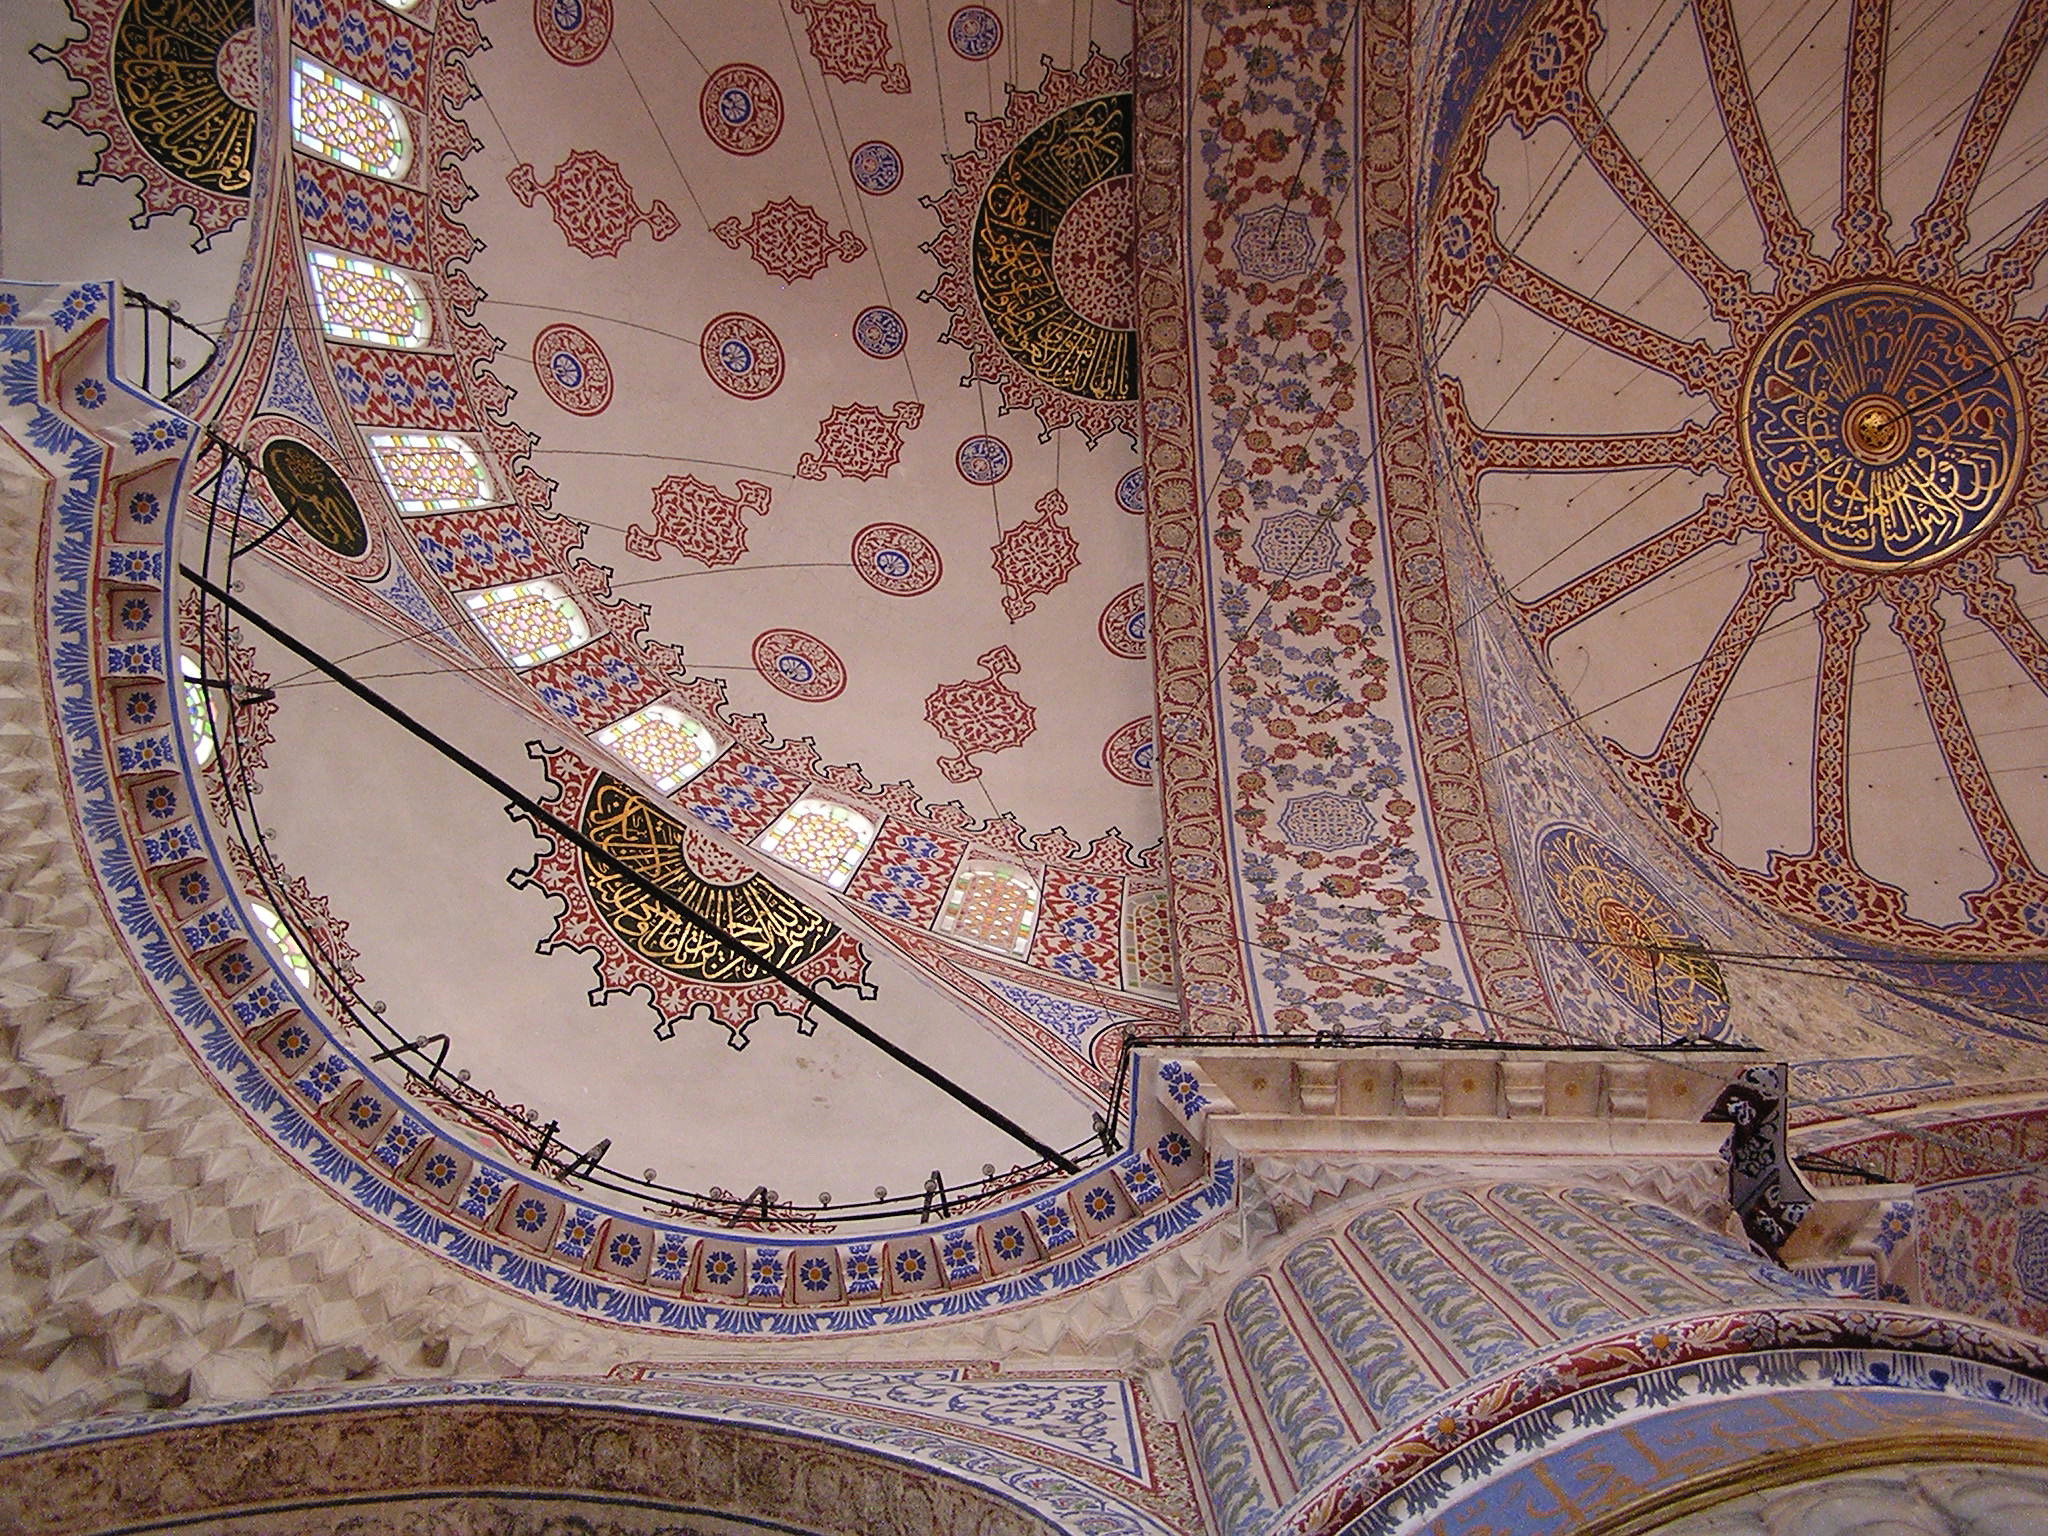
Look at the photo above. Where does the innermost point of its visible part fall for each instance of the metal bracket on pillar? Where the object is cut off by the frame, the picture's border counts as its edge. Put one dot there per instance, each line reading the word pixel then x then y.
pixel 1763 1185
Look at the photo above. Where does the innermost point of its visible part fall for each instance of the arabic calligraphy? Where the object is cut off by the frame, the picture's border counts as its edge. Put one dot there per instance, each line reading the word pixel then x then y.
pixel 167 80
pixel 1884 426
pixel 317 498
pixel 634 830
pixel 1017 271
pixel 1636 942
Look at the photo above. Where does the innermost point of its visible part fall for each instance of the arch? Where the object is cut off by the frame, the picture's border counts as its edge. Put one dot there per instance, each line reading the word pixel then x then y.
pixel 347 123
pixel 431 471
pixel 665 744
pixel 198 722
pixel 528 622
pixel 367 301
pixel 992 904
pixel 731 1457
pixel 823 839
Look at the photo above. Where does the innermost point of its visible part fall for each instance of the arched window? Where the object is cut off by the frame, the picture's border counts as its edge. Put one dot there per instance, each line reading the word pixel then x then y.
pixel 1148 942
pixel 992 904
pixel 281 939
pixel 663 743
pixel 197 721
pixel 335 117
pixel 367 301
pixel 431 471
pixel 822 839
pixel 529 621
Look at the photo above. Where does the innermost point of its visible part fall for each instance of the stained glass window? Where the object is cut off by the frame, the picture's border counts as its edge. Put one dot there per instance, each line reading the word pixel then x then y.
pixel 196 718
pixel 281 939
pixel 663 743
pixel 431 471
pixel 819 838
pixel 529 621
pixel 1148 943
pixel 367 301
pixel 335 117
pixel 992 904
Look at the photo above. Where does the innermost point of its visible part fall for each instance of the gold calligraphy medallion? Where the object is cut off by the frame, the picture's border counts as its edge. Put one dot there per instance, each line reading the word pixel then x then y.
pixel 1884 426
pixel 316 498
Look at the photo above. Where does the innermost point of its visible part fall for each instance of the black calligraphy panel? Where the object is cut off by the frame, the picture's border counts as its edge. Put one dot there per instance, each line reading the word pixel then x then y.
pixel 1016 275
pixel 637 832
pixel 167 81
pixel 317 498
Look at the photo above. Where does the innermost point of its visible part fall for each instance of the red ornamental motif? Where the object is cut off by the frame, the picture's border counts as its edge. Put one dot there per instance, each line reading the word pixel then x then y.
pixel 573 369
pixel 800 665
pixel 897 560
pixel 1128 752
pixel 699 520
pixel 1123 624
pixel 860 441
pixel 592 203
pixel 789 240
pixel 980 715
pixel 741 109
pixel 574 31
pixel 1092 261
pixel 742 356
pixel 1034 557
pixel 851 42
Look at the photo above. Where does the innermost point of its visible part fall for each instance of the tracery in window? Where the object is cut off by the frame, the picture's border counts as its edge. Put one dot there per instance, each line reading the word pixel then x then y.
pixel 665 744
pixel 823 840
pixel 1148 943
pixel 282 940
pixel 431 471
pixel 992 904
pixel 348 123
pixel 529 621
pixel 196 719
pixel 363 300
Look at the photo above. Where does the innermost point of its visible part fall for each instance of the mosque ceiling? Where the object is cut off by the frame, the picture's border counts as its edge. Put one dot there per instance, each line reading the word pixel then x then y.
pixel 1566 481
pixel 1735 332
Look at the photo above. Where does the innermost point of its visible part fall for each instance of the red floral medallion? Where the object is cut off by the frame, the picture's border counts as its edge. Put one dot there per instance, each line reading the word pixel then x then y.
pixel 573 369
pixel 897 560
pixel 698 520
pixel 850 41
pixel 980 715
pixel 789 239
pixel 800 665
pixel 1128 752
pixel 861 442
pixel 574 31
pixel 741 108
pixel 742 356
pixel 592 203
pixel 1123 624
pixel 1035 557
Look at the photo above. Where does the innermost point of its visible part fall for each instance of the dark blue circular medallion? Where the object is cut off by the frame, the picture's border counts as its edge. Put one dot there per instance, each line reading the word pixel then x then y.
pixel 1884 426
